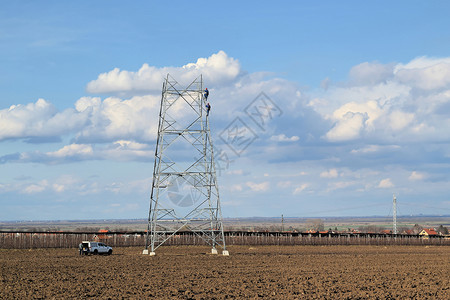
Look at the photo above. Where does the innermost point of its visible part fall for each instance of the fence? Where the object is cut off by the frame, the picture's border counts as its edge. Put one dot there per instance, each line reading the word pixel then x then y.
pixel 27 240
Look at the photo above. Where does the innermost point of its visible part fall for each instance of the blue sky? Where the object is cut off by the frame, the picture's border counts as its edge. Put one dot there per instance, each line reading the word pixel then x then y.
pixel 363 88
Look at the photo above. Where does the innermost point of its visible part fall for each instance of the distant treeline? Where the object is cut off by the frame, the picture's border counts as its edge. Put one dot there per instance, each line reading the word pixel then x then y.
pixel 27 240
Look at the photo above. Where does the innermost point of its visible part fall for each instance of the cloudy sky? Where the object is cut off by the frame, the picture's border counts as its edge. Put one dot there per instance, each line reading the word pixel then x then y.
pixel 359 96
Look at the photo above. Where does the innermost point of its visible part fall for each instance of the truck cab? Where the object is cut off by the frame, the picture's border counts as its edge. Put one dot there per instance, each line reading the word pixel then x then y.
pixel 95 248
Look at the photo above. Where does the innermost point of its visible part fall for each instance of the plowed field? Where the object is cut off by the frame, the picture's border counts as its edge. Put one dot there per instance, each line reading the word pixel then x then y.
pixel 272 272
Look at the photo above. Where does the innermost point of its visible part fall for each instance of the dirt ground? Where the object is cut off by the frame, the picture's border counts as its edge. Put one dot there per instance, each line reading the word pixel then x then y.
pixel 272 272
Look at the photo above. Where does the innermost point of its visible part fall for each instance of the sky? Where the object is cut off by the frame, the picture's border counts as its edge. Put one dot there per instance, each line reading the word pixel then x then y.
pixel 360 98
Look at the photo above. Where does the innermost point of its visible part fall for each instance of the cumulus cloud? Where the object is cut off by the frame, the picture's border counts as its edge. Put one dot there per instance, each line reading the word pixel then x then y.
pixel 94 120
pixel 114 118
pixel 348 127
pixel 36 187
pixel 68 153
pixel 340 185
pixel 416 176
pixel 118 151
pixel 371 73
pixel 39 120
pixel 374 149
pixel 91 120
pixel 236 172
pixel 425 73
pixel 399 120
pixel 258 187
pixel 300 188
pixel 75 185
pixel 371 120
pixel 72 150
pixel 378 106
pixel 284 138
pixel 236 188
pixel 219 68
pixel 58 188
pixel 94 125
pixel 332 173
pixel 386 101
pixel 127 151
pixel 385 183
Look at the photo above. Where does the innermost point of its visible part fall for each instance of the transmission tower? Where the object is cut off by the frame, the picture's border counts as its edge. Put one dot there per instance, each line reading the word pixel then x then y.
pixel 185 193
pixel 394 215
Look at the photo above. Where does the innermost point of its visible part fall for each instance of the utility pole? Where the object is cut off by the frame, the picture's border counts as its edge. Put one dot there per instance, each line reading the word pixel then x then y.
pixel 394 217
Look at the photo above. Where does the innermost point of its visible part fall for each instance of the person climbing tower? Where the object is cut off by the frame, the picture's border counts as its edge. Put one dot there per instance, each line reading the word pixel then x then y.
pixel 208 108
pixel 206 94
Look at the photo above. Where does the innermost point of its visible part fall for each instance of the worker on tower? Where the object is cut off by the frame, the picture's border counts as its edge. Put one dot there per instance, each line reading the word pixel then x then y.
pixel 208 108
pixel 206 94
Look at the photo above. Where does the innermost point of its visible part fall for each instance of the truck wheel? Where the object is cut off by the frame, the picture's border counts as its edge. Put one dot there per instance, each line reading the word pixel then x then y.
pixel 95 252
pixel 109 252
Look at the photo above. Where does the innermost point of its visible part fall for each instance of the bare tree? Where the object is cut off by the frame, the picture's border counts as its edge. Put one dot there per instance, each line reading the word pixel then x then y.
pixel 315 224
pixel 442 230
pixel 417 229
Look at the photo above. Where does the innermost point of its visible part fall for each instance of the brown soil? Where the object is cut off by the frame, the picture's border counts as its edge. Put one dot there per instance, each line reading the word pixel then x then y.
pixel 273 272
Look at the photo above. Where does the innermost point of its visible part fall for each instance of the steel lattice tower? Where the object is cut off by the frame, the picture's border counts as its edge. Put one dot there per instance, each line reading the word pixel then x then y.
pixel 394 215
pixel 185 193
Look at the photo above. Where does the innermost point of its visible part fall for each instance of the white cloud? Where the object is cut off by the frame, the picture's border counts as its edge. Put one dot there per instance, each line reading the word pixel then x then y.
pixel 92 119
pixel 64 184
pixel 332 173
pixel 385 183
pixel 127 151
pixel 416 176
pixel 258 187
pixel 284 138
pixel 369 108
pixel 219 68
pixel 38 120
pixel 73 150
pixel 284 184
pixel 236 172
pixel 389 102
pixel 300 188
pixel 399 119
pixel 371 73
pixel 118 151
pixel 115 119
pixel 59 188
pixel 340 185
pixel 348 127
pixel 379 112
pixel 35 188
pixel 374 149
pixel 236 188
pixel 425 73
pixel 352 119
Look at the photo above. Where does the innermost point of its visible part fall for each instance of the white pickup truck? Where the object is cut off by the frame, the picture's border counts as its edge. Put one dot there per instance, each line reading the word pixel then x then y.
pixel 87 247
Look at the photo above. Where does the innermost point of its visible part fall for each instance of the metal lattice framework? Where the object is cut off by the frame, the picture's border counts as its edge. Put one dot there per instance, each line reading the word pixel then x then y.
pixel 394 215
pixel 185 193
